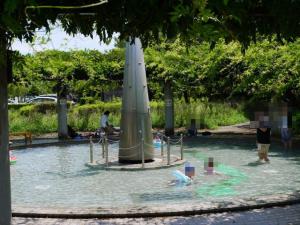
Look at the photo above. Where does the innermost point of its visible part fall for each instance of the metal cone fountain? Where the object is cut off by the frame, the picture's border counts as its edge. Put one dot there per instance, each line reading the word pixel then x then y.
pixel 136 127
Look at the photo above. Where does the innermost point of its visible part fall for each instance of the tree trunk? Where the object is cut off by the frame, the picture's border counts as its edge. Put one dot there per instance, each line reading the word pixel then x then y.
pixel 169 109
pixel 102 96
pixel 62 116
pixel 5 194
pixel 186 97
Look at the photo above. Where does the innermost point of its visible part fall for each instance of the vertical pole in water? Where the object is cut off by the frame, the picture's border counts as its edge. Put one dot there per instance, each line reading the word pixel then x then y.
pixel 168 151
pixel 102 144
pixel 162 145
pixel 91 151
pixel 181 146
pixel 143 153
pixel 106 151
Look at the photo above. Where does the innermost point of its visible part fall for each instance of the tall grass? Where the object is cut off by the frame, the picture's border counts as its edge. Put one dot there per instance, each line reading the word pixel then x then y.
pixel 87 117
pixel 207 115
pixel 35 122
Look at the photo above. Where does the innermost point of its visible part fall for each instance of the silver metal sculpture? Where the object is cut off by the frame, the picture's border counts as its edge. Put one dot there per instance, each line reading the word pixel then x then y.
pixel 136 126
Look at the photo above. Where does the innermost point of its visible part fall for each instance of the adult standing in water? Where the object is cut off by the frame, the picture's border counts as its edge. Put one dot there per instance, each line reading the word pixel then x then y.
pixel 263 136
pixel 286 127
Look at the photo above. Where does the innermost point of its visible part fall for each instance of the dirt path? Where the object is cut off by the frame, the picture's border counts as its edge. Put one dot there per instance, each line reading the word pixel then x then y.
pixel 242 128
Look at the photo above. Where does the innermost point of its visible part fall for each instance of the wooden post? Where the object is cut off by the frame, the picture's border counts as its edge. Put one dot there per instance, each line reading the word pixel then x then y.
pixel 143 153
pixel 91 150
pixel 62 111
pixel 5 191
pixel 103 146
pixel 181 146
pixel 169 108
pixel 162 146
pixel 106 150
pixel 168 151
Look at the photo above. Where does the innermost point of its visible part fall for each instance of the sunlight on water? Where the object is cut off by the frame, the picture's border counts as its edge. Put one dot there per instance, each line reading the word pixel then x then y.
pixel 57 177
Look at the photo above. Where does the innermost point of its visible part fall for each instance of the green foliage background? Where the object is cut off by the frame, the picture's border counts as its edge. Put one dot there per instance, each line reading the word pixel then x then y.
pixel 267 71
pixel 42 118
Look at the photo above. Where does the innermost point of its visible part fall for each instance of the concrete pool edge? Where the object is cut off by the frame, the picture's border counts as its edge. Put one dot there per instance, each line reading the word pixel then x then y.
pixel 187 209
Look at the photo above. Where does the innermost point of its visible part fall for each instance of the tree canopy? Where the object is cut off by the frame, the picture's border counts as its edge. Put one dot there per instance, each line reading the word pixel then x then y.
pixel 129 18
pixel 86 73
pixel 204 20
pixel 266 71
pixel 243 19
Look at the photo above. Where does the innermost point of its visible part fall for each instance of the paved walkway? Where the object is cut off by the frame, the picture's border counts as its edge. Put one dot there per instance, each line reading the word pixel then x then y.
pixel 242 128
pixel 289 215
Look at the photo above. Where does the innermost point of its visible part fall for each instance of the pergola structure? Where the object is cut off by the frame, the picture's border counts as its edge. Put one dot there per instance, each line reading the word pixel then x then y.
pixel 192 20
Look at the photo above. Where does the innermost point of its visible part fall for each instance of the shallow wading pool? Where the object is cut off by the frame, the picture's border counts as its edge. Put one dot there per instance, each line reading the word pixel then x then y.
pixel 56 176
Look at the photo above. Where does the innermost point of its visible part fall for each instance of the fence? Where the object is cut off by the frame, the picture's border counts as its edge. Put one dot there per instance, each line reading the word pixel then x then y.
pixel 104 141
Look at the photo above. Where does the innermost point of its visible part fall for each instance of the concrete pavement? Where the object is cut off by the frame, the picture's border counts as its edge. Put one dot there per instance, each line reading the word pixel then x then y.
pixel 288 215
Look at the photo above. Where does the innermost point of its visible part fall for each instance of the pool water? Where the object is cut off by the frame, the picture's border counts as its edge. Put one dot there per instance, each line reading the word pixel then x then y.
pixel 57 176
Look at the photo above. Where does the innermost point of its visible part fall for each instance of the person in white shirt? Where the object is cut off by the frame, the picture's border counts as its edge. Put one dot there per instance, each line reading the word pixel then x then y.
pixel 105 126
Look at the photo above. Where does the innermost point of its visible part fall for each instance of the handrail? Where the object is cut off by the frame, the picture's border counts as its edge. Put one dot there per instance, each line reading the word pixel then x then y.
pixel 105 142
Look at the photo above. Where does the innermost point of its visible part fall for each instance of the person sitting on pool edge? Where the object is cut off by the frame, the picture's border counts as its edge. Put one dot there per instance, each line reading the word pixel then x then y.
pixel 72 133
pixel 104 125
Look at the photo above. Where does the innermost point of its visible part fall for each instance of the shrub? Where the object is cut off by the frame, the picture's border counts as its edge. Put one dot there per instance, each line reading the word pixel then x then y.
pixel 16 106
pixel 87 100
pixel 113 107
pixel 34 122
pixel 42 118
pixel 27 110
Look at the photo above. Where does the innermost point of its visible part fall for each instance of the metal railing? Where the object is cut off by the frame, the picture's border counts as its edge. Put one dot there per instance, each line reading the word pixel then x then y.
pixel 104 142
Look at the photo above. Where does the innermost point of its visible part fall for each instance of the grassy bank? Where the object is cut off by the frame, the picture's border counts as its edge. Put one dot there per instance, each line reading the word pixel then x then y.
pixel 43 119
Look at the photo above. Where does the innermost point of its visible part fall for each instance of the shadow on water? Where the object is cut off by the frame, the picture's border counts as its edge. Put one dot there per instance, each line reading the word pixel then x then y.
pixel 80 173
pixel 221 142
pixel 245 143
pixel 292 155
pixel 255 163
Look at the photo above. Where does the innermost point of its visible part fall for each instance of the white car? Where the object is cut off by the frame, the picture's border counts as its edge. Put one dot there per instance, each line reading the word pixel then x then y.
pixel 11 101
pixel 42 99
pixel 48 95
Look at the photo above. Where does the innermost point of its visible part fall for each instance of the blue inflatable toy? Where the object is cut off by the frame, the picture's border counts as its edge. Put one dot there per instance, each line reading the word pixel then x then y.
pixel 157 142
pixel 181 178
